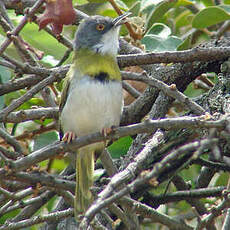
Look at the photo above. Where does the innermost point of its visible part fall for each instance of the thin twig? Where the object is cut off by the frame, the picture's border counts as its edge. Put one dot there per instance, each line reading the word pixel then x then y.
pixel 133 34
pixel 156 200
pixel 156 216
pixel 33 133
pixel 105 197
pixel 10 140
pixel 31 114
pixel 168 90
pixel 135 93
pixel 15 32
pixel 215 212
pixel 29 94
pixel 55 216
pixel 41 178
pixel 128 216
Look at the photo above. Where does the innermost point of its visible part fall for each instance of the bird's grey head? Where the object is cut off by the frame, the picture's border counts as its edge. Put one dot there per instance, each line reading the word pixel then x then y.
pixel 99 34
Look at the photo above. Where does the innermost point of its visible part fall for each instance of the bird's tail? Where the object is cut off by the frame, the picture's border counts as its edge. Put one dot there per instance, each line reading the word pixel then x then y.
pixel 84 180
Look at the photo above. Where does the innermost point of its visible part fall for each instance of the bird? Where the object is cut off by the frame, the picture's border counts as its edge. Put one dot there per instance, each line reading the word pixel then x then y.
pixel 92 97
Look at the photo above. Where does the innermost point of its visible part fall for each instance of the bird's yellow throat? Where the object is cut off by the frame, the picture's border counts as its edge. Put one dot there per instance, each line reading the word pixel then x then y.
pixel 90 63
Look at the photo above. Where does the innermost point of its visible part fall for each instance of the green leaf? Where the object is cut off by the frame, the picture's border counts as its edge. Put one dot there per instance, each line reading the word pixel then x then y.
pixel 1 37
pixel 221 180
pixel 208 2
pixel 5 76
pixel 41 41
pixel 44 139
pixel 109 12
pixel 2 104
pixel 146 4
pixel 122 5
pixel 210 16
pixel 43 122
pixel 159 29
pixel 186 44
pixel 184 3
pixel 97 1
pixel 79 2
pixel 59 164
pixel 8 216
pixel 225 7
pixel 51 203
pixel 11 96
pixel 135 8
pixel 50 60
pixel 158 39
pixel 192 92
pixel 159 44
pixel 129 3
pixel 190 173
pixel 160 11
pixel 183 19
pixel 34 101
pixel 120 147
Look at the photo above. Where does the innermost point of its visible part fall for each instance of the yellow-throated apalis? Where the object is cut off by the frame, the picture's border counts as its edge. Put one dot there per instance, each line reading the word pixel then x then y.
pixel 92 99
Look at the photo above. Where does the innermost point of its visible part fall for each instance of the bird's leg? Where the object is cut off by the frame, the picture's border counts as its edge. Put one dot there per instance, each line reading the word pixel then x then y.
pixel 68 137
pixel 106 131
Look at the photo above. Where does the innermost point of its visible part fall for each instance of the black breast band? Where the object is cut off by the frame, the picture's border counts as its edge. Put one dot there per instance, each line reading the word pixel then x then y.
pixel 102 77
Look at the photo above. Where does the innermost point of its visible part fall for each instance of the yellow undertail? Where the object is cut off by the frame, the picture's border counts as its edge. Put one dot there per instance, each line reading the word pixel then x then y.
pixel 84 180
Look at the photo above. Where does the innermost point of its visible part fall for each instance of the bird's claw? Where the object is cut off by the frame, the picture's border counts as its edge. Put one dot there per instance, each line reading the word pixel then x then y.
pixel 106 131
pixel 68 137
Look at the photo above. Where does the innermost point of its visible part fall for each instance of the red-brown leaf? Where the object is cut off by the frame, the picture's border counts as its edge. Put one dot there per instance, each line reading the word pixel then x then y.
pixel 57 13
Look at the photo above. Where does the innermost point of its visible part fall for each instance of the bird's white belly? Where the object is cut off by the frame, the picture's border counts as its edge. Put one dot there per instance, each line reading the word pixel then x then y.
pixel 92 106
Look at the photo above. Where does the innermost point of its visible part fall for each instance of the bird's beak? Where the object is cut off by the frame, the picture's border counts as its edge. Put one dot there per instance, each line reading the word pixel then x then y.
pixel 120 19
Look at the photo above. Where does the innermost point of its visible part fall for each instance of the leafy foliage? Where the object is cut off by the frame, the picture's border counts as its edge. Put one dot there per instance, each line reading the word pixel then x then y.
pixel 161 25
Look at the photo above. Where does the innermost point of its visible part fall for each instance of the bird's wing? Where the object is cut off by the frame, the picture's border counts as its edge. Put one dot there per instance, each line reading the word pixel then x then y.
pixel 64 95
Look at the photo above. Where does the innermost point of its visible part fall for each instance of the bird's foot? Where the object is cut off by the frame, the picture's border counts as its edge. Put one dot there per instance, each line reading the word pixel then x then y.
pixel 68 137
pixel 106 131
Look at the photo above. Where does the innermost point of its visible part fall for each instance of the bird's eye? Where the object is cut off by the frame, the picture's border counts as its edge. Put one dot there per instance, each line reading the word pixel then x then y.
pixel 100 27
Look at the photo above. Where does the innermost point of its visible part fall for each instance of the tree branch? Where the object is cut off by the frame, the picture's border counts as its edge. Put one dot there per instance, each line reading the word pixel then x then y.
pixel 106 197
pixel 147 126
pixel 16 31
pixel 55 216
pixel 195 54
